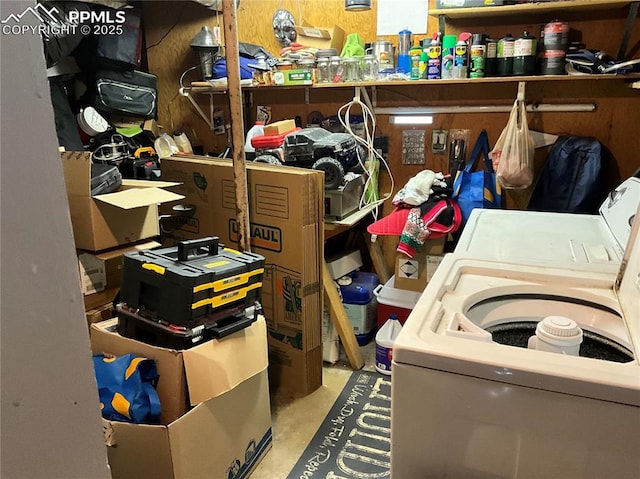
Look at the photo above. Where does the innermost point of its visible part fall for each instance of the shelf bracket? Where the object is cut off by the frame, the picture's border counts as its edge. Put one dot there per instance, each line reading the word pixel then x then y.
pixel 522 88
pixel 362 91
pixel 202 114
pixel 631 18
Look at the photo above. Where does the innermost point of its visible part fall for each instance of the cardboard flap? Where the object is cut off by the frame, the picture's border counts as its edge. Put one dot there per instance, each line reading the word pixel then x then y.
pixel 77 172
pixel 138 197
pixel 218 366
pixel 313 32
pixel 131 183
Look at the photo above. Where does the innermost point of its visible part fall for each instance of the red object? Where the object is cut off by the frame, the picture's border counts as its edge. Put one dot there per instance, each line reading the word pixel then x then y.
pixel 270 141
pixel 393 224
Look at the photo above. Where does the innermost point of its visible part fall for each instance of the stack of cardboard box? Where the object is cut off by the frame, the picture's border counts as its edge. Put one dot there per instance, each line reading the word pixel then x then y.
pixel 215 408
pixel 107 226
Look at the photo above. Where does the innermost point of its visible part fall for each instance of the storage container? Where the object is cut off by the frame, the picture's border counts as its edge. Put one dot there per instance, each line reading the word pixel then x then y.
pixel 360 303
pixel 392 300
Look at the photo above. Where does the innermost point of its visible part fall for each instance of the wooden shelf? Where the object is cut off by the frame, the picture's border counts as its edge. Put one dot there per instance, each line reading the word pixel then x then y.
pixel 413 83
pixel 528 8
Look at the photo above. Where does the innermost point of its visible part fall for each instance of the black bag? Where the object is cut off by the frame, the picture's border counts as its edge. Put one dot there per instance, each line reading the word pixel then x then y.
pixel 130 92
pixel 122 51
pixel 571 179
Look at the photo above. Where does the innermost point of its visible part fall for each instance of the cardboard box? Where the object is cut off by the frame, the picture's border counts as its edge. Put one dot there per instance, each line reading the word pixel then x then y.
pixel 228 431
pixel 343 264
pixel 226 436
pixel 293 77
pixel 98 300
pixel 413 274
pixel 113 219
pixel 99 314
pixel 279 127
pixel 192 376
pixel 286 227
pixel 99 271
pixel 321 38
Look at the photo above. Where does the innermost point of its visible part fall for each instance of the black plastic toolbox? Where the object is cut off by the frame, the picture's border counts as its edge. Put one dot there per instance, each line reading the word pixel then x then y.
pixel 162 334
pixel 191 283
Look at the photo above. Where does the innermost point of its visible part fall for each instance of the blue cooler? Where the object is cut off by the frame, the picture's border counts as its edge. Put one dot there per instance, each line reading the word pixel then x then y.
pixel 360 304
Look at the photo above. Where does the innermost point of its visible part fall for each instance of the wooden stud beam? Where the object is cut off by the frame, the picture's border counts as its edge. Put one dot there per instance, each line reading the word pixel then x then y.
pixel 341 320
pixel 229 15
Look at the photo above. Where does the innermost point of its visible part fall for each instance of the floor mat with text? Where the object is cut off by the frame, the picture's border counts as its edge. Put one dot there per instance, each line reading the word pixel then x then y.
pixel 354 440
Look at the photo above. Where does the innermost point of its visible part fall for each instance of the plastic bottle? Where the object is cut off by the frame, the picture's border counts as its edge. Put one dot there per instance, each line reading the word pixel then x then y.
pixel 404 57
pixel 255 130
pixel 165 145
pixel 385 337
pixel 182 141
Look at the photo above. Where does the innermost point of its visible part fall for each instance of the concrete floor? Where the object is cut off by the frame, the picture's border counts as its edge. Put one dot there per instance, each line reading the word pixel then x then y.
pixel 296 419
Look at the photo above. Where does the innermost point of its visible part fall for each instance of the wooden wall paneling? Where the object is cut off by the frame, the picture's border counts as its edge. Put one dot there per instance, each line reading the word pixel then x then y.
pixel 173 25
pixel 169 29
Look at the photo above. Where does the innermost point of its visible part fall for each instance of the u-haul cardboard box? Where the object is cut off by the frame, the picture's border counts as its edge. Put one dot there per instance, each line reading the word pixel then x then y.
pixel 286 211
pixel 215 416
pixel 112 219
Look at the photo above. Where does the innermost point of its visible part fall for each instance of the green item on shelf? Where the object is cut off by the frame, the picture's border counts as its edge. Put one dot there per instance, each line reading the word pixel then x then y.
pixel 353 46
pixel 129 131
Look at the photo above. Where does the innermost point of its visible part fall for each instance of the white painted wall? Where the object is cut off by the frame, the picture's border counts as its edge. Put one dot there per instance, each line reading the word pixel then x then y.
pixel 49 417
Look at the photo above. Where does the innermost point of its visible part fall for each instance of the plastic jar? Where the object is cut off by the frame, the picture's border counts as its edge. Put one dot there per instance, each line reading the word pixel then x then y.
pixel 182 141
pixel 385 337
pixel 165 146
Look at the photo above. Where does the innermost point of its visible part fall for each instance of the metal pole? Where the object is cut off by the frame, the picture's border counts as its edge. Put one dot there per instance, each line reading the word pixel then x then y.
pixel 229 15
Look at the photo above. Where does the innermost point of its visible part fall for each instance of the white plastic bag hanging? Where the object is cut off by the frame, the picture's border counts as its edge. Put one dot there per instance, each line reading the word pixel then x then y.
pixel 512 155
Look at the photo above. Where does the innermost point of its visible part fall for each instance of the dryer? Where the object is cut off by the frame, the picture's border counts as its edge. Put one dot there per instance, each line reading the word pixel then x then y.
pixel 471 400
pixel 556 239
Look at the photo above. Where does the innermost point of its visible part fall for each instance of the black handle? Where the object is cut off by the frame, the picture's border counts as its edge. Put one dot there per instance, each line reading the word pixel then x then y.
pixel 187 246
pixel 220 331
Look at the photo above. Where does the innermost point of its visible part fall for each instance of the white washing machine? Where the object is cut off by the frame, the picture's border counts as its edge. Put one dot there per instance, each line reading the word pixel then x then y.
pixel 558 239
pixel 470 400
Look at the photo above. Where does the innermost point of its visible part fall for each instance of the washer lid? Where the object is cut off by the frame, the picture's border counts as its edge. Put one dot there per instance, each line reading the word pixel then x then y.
pixel 565 240
pixel 628 282
pixel 619 209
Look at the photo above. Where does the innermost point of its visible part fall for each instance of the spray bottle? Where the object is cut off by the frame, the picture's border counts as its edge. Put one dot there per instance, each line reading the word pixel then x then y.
pixel 415 53
pixel 434 53
pixel 448 55
pixel 461 57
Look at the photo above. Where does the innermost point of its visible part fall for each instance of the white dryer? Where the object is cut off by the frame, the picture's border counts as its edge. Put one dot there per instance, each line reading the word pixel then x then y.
pixel 470 400
pixel 557 239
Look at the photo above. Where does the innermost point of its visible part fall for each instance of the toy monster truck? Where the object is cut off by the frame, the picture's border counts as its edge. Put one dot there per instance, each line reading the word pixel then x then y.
pixel 319 149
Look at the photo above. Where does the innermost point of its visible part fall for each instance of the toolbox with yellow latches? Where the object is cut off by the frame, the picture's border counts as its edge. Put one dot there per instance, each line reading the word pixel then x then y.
pixel 190 284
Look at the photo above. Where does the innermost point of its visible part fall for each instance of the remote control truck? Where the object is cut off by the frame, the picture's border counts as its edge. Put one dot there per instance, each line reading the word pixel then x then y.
pixel 316 148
